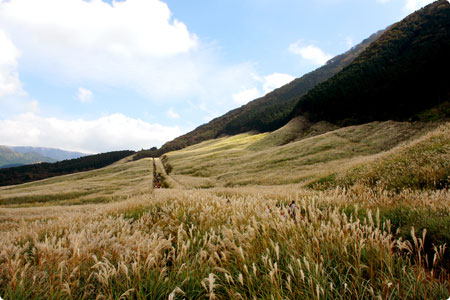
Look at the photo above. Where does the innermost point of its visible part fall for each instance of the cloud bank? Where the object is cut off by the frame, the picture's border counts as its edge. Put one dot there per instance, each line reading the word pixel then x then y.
pixel 133 44
pixel 9 77
pixel 111 132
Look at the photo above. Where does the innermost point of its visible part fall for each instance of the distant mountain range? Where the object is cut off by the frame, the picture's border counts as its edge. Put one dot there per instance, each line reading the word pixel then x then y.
pixel 19 156
pixel 400 73
pixel 54 153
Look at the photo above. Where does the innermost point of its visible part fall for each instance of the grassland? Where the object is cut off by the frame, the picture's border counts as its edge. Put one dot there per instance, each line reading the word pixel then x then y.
pixel 352 240
pixel 225 243
pixel 263 160
pixel 422 164
pixel 118 181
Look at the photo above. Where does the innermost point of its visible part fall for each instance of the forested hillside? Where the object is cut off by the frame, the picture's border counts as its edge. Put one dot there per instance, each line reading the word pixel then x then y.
pixel 397 77
pixel 400 73
pixel 269 112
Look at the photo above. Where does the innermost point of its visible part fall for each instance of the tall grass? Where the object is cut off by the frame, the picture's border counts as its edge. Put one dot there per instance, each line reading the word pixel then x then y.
pixel 263 160
pixel 421 164
pixel 225 244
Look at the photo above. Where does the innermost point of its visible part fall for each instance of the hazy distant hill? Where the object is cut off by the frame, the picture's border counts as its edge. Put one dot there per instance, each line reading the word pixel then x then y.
pixel 9 157
pixel 402 74
pixel 54 153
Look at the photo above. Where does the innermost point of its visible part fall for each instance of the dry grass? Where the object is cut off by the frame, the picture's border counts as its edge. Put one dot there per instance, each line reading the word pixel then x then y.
pixel 112 183
pixel 421 164
pixel 245 159
pixel 222 244
pixel 357 242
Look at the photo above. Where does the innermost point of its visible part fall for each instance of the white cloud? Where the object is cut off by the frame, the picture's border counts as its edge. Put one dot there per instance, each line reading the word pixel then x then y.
pixel 275 81
pixel 132 44
pixel 112 132
pixel 310 52
pixel 413 5
pixel 267 84
pixel 124 28
pixel 84 95
pixel 9 77
pixel 172 114
pixel 246 95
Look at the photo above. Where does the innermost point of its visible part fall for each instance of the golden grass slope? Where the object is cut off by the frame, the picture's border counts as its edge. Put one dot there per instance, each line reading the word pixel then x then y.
pixel 245 159
pixel 112 183
pixel 228 243
pixel 423 163
pixel 125 240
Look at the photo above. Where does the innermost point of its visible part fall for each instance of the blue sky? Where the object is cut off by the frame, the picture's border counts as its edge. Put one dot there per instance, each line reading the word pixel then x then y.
pixel 98 76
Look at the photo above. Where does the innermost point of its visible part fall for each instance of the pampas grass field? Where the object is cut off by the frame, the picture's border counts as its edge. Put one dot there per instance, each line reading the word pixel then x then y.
pixel 227 244
pixel 358 240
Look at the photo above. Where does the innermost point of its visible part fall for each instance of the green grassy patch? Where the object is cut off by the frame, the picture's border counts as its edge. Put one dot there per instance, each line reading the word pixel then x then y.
pixel 43 198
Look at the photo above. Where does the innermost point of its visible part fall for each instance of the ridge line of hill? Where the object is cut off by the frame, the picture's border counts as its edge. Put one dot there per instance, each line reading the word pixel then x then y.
pixel 400 73
pixel 266 113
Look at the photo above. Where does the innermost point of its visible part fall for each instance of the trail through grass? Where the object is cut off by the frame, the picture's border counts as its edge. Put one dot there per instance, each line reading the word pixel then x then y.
pixel 199 239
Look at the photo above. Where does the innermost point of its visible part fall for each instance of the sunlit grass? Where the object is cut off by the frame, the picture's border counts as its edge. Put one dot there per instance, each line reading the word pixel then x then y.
pixel 224 244
pixel 421 164
pixel 107 234
pixel 246 160
pixel 111 183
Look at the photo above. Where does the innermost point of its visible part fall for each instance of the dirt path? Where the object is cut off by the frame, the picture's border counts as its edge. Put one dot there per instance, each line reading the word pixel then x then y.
pixel 160 168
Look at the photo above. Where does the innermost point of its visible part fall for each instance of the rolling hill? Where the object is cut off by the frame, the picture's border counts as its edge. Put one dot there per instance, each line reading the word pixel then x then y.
pixel 398 77
pixel 33 172
pixel 54 153
pixel 399 73
pixel 349 205
pixel 270 111
pixel 10 158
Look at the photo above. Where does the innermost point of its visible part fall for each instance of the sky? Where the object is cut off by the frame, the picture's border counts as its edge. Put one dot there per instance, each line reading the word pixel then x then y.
pixel 96 75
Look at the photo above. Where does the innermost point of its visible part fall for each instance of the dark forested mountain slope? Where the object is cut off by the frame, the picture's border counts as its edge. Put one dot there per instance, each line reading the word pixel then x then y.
pixel 404 72
pixel 269 112
pixel 400 73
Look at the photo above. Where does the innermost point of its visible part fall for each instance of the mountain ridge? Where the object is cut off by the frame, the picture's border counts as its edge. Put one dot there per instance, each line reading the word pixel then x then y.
pixel 55 153
pixel 401 74
pixel 403 50
pixel 277 103
pixel 9 157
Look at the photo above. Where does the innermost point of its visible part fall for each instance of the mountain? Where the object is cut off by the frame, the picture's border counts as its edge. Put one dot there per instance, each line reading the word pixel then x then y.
pixel 400 73
pixel 54 153
pixel 9 157
pixel 270 111
pixel 400 76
